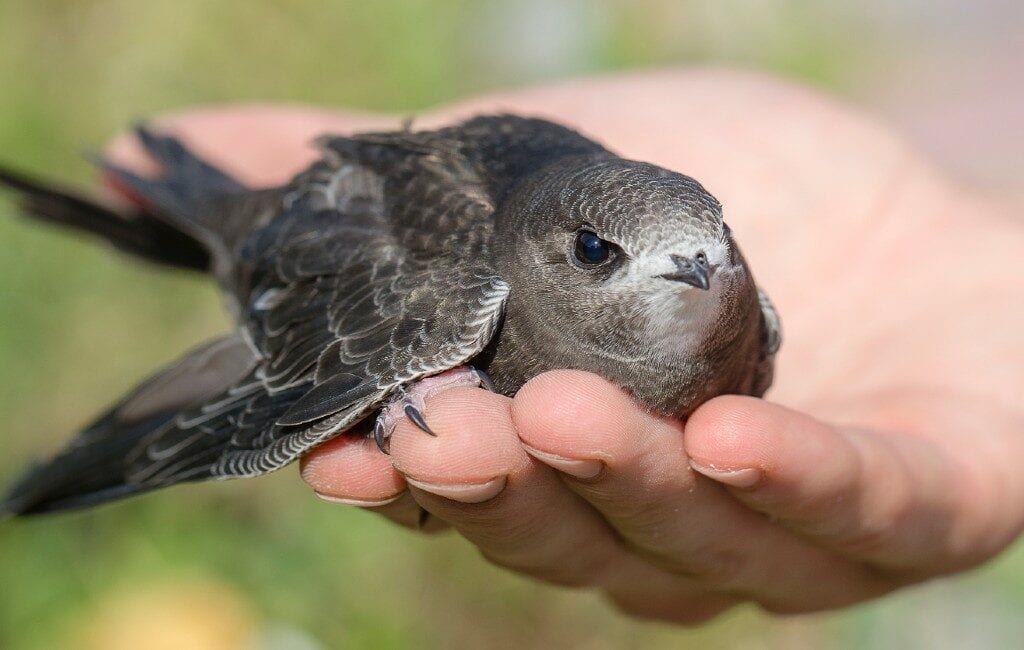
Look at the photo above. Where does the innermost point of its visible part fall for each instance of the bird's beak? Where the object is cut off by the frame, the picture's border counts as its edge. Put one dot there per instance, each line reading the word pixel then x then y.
pixel 692 272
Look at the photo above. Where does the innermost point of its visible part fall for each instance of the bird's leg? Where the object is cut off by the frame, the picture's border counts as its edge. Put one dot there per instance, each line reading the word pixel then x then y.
pixel 410 400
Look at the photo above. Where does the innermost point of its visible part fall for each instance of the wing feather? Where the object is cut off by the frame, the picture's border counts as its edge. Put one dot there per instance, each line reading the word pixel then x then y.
pixel 369 277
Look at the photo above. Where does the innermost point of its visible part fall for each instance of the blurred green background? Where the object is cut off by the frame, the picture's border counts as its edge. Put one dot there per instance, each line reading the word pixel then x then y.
pixel 261 564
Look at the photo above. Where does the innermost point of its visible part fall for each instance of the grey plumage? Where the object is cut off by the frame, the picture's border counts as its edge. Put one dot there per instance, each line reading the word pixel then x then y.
pixel 514 245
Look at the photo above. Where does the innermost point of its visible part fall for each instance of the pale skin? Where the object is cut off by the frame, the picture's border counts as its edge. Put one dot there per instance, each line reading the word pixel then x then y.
pixel 888 450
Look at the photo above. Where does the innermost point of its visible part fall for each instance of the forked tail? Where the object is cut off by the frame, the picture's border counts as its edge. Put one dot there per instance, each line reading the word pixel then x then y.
pixel 175 223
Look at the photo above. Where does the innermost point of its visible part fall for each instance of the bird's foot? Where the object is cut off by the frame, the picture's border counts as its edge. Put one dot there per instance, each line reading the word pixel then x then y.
pixel 410 400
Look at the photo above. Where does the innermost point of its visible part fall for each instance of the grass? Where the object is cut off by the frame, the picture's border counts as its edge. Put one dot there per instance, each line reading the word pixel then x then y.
pixel 80 324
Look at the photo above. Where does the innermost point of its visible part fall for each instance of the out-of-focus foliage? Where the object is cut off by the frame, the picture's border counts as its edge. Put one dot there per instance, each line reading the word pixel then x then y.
pixel 261 563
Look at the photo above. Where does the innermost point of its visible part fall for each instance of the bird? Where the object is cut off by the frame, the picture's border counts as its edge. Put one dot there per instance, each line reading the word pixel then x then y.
pixel 397 265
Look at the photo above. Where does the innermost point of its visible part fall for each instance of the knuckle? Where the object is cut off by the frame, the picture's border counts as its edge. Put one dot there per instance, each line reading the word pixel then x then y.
pixel 688 611
pixel 714 567
pixel 569 568
pixel 639 509
pixel 878 531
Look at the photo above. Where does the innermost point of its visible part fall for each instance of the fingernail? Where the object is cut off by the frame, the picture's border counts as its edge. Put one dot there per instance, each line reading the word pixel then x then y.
pixel 359 503
pixel 462 492
pixel 745 477
pixel 580 468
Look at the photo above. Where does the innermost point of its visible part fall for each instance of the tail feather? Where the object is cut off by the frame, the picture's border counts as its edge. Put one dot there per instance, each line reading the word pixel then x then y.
pixel 185 191
pixel 181 218
pixel 140 234
pixel 183 168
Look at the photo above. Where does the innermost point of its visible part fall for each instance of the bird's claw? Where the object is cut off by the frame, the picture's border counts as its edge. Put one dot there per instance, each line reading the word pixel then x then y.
pixel 380 435
pixel 411 400
pixel 416 417
pixel 485 380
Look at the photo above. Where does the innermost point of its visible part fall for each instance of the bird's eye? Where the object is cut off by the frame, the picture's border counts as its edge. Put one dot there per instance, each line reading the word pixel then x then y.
pixel 590 250
pixel 702 259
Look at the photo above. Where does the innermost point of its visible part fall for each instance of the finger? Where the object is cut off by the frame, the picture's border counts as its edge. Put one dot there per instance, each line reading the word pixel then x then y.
pixel 683 523
pixel 475 475
pixel 888 499
pixel 664 596
pixel 350 470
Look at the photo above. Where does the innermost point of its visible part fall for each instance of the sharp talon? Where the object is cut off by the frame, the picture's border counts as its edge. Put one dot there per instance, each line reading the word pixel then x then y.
pixel 380 438
pixel 485 380
pixel 417 418
pixel 423 519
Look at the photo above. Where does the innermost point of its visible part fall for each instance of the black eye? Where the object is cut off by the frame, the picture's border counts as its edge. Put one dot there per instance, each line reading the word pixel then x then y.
pixel 590 250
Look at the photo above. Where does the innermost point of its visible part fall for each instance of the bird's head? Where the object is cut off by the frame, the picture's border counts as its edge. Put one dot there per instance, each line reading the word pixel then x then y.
pixel 622 260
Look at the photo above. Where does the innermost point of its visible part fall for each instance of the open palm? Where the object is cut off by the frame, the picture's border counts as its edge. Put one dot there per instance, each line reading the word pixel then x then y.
pixel 886 453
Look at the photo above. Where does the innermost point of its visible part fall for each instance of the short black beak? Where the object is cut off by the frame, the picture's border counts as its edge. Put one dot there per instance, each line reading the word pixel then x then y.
pixel 696 273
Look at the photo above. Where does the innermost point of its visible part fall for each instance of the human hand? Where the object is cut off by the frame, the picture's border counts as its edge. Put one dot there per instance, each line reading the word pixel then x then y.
pixel 887 453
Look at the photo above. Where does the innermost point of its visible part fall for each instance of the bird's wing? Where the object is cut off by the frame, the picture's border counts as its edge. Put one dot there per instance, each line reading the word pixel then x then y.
pixel 328 352
pixel 372 277
pixel 771 340
pixel 365 282
pixel 93 468
pixel 335 346
pixel 343 308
